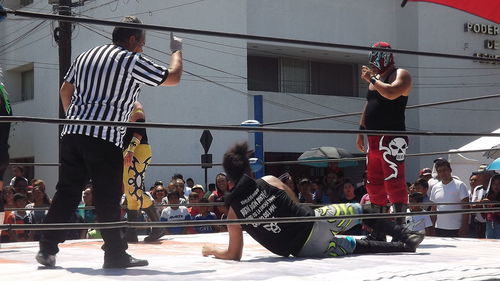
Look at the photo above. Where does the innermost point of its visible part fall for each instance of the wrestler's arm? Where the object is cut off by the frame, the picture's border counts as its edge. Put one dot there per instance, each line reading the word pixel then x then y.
pixel 234 250
pixel 274 181
pixel 360 139
pixel 400 86
pixel 137 114
pixel 66 92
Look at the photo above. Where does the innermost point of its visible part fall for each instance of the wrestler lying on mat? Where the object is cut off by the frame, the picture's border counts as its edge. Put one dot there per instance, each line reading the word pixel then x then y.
pixel 270 198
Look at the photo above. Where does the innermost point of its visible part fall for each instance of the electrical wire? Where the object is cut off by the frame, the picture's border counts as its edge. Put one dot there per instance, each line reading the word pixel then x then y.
pixel 230 88
pixel 243 36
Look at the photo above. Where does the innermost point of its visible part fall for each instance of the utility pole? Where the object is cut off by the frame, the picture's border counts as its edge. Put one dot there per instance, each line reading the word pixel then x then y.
pixel 63 40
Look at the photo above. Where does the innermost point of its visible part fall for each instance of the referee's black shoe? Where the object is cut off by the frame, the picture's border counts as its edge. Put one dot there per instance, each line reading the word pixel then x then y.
pixel 123 262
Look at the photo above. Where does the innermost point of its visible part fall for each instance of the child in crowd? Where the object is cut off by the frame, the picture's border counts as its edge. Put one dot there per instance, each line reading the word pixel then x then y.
pixel 205 214
pixel 175 213
pixel 422 223
pixel 17 217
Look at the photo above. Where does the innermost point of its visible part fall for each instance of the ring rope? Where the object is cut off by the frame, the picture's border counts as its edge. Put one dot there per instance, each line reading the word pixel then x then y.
pixel 64 18
pixel 122 224
pixel 210 204
pixel 5 119
pixel 361 158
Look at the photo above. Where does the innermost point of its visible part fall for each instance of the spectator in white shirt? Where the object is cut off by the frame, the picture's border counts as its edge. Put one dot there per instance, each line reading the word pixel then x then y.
pixel 449 190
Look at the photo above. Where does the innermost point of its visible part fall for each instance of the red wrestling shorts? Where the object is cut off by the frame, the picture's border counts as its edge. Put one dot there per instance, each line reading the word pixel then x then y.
pixel 386 169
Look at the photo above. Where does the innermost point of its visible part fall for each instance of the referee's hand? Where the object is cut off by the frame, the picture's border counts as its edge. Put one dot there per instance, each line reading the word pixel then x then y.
pixel 175 43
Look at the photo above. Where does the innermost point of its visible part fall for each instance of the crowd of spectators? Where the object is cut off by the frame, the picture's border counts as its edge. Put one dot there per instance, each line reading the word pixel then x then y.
pixel 179 200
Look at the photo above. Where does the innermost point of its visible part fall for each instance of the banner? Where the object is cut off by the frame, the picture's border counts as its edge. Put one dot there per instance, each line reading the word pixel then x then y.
pixel 488 9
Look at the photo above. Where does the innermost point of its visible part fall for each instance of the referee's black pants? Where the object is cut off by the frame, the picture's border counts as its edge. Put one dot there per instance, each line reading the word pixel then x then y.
pixel 84 158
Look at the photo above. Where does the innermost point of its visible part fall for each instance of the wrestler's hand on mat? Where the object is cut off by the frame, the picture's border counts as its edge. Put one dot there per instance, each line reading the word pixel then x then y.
pixel 175 43
pixel 127 158
pixel 360 143
pixel 207 250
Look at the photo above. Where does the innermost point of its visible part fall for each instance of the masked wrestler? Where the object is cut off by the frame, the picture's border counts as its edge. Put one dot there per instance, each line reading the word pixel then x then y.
pixel 388 91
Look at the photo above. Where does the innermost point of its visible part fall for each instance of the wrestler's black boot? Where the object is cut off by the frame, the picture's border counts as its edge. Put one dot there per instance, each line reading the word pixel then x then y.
pixel 131 234
pixel 364 246
pixel 400 208
pixel 399 233
pixel 156 232
pixel 376 234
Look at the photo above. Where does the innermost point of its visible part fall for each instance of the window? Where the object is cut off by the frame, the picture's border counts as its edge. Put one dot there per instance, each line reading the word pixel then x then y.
pixel 333 79
pixel 263 74
pixel 290 75
pixel 20 83
pixel 295 76
pixel 27 85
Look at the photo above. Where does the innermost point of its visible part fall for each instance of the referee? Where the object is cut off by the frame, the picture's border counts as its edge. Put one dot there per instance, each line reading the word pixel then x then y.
pixel 102 84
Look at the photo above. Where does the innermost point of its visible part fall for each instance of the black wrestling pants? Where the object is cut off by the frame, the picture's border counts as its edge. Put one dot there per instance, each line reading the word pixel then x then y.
pixel 84 158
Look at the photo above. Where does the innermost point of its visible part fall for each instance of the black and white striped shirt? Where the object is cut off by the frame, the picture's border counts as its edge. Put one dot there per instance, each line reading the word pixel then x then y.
pixel 107 82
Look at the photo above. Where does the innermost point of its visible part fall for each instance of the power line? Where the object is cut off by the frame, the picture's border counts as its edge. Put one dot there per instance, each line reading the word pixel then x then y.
pixel 6 49
pixel 239 36
pixel 19 38
pixel 233 89
pixel 408 107
pixel 162 9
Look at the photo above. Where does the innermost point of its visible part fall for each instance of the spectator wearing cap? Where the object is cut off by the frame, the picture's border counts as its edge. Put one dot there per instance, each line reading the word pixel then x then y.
pixel 198 188
pixel 449 190
pixel 425 173
pixel 305 191
pixel 17 217
pixel 481 182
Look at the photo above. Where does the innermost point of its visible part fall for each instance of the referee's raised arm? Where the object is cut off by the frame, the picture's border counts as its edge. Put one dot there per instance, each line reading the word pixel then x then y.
pixel 175 69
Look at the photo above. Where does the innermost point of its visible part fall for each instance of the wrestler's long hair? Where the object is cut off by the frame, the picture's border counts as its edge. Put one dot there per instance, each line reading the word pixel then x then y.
pixel 235 161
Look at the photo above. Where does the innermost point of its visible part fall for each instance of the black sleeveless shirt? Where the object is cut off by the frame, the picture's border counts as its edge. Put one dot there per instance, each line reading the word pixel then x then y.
pixel 258 199
pixel 385 114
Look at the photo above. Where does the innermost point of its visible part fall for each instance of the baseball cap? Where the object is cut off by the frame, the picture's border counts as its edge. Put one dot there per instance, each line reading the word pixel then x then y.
pixel 425 172
pixel 304 180
pixel 197 186
pixel 482 170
